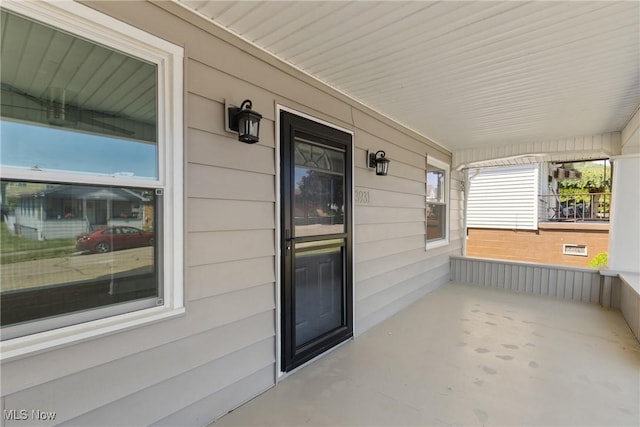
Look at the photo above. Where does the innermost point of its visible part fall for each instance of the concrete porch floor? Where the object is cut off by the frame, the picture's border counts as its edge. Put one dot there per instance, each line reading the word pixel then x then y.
pixel 468 355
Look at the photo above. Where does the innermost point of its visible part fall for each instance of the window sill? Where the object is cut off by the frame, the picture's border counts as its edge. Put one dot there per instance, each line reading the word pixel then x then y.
pixel 18 348
pixel 436 244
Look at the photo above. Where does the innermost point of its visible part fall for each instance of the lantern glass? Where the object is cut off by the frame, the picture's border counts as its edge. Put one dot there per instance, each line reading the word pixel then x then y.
pixel 248 127
pixel 245 121
pixel 382 166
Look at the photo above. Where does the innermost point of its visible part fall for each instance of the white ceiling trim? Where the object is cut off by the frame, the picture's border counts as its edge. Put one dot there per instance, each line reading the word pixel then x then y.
pixel 589 147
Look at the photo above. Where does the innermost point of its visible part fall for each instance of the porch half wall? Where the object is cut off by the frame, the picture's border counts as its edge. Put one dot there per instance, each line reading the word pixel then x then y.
pixel 223 351
pixel 564 282
pixel 610 289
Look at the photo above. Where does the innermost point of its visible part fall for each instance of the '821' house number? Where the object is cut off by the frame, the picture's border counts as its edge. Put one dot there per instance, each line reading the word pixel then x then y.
pixel 362 197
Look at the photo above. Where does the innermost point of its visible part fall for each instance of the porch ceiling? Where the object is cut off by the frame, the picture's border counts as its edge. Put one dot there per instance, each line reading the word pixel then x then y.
pixel 465 74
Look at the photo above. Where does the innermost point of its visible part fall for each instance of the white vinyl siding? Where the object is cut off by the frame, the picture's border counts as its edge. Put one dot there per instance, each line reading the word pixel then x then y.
pixel 503 197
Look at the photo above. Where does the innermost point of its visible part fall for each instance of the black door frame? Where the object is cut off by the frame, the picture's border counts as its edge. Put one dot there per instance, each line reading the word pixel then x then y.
pixel 291 124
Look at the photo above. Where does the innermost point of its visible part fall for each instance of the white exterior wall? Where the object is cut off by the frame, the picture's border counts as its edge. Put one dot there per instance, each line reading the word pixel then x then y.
pixel 223 351
pixel 624 234
pixel 503 197
pixel 624 240
pixel 631 135
pixel 624 237
pixel 29 217
pixel 63 228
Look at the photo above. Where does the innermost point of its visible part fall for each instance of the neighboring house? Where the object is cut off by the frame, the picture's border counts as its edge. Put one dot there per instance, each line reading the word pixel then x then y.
pixel 254 271
pixel 66 211
pixel 515 213
pixel 504 197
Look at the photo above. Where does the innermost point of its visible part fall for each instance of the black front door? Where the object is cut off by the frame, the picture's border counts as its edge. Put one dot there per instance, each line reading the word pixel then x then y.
pixel 316 239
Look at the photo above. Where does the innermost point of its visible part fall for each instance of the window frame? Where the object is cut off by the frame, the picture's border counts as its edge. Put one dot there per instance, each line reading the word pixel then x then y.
pixel 442 241
pixel 82 21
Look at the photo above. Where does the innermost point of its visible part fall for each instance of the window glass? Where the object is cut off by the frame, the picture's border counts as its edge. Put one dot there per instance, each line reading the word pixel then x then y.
pixel 63 249
pixel 435 184
pixel 436 222
pixel 81 187
pixel 313 156
pixel 72 105
pixel 38 147
pixel 436 206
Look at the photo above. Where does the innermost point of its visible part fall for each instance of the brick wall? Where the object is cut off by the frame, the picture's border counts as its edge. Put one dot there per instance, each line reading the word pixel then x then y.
pixel 543 246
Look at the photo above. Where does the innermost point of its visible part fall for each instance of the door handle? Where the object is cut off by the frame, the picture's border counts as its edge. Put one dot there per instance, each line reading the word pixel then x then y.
pixel 287 240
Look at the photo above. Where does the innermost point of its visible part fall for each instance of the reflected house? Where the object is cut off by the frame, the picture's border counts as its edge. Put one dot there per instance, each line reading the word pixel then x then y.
pixel 66 211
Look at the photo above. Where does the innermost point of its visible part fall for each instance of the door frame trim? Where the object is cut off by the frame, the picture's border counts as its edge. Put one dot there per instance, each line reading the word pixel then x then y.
pixel 279 373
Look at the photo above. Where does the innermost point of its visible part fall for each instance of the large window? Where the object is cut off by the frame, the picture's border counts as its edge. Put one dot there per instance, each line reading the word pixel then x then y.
pixel 437 203
pixel 91 154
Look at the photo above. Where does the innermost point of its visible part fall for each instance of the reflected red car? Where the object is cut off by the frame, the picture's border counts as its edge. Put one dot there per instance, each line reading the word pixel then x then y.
pixel 115 238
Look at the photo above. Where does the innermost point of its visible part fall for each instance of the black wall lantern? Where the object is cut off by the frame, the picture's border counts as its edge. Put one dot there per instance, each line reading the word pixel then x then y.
pixel 379 162
pixel 245 121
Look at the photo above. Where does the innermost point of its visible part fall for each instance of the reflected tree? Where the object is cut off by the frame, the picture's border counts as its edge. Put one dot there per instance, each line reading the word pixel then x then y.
pixel 319 198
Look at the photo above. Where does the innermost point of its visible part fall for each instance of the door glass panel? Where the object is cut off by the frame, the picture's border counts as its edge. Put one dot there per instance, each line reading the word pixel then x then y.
pixel 319 189
pixel 319 306
pixel 315 156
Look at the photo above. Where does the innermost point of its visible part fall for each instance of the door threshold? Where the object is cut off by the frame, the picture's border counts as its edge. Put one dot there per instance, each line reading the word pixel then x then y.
pixel 283 375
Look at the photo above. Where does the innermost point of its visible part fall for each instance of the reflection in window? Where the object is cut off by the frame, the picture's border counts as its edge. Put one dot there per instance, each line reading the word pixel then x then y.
pixel 65 249
pixel 319 189
pixel 77 106
pixel 436 207
pixel 80 151
pixel 435 184
pixel 37 147
pixel 314 156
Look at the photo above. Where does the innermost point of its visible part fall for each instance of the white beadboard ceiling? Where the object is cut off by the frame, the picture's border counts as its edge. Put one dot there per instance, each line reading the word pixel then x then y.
pixel 465 74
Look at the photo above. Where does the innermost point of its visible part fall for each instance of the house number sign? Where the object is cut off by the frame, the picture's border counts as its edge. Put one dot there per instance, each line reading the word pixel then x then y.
pixel 362 197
